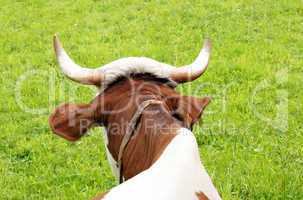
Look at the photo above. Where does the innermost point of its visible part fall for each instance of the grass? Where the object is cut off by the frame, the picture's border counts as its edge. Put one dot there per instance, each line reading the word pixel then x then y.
pixel 251 140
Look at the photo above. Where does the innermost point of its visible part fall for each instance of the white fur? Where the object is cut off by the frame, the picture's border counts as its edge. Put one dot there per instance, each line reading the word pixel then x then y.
pixel 134 65
pixel 177 175
pixel 110 158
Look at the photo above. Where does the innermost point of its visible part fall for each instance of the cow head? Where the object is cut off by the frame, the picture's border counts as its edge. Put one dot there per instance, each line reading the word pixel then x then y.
pixel 124 84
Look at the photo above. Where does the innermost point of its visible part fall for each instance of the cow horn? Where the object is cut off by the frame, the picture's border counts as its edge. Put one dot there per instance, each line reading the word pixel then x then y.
pixel 194 70
pixel 72 70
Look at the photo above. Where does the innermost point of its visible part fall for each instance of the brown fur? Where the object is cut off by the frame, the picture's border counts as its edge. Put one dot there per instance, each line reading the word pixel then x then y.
pixel 201 196
pixel 71 121
pixel 156 128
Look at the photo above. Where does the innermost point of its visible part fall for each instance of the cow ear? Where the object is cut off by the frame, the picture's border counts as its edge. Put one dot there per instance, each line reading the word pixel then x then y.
pixel 72 121
pixel 189 109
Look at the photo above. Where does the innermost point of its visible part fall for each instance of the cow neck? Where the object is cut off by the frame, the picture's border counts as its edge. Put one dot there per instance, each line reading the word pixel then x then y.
pixel 129 132
pixel 156 127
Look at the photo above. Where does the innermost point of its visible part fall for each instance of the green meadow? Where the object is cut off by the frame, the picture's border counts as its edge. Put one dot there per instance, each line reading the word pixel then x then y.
pixel 250 137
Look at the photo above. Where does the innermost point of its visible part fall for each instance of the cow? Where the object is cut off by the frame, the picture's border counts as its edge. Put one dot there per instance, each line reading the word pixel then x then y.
pixel 148 125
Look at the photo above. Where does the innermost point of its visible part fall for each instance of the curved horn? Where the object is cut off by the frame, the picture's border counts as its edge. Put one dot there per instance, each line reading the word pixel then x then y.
pixel 194 70
pixel 74 71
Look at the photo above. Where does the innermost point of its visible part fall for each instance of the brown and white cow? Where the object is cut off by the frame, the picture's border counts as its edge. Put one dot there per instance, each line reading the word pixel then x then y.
pixel 158 157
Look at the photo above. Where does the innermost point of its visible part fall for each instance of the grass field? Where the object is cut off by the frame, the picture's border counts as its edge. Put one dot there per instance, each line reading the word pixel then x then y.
pixel 251 139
